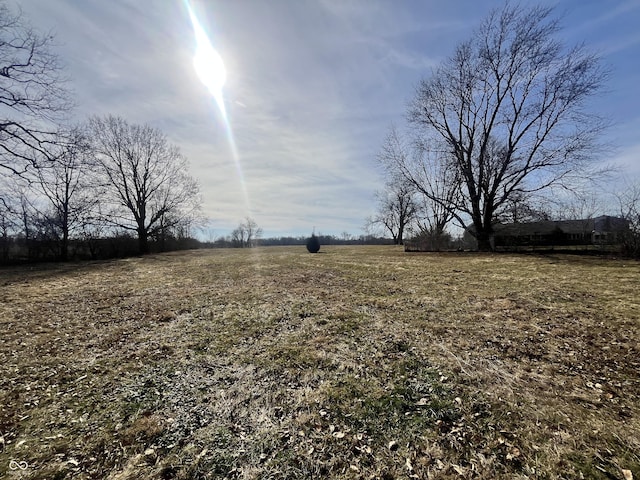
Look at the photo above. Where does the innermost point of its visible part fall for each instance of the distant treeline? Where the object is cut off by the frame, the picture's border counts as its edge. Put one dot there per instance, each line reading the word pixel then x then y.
pixel 18 249
pixel 227 242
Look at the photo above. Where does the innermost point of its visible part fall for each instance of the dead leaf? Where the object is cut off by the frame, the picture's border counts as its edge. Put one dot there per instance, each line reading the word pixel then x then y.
pixel 514 453
pixel 627 474
pixel 459 470
pixel 408 464
pixel 201 454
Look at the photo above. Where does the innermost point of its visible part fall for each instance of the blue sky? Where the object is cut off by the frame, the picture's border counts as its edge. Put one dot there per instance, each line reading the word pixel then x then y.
pixel 312 89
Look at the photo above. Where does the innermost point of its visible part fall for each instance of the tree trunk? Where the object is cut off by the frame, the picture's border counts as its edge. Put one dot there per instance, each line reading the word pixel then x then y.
pixel 483 237
pixel 5 245
pixel 64 247
pixel 143 242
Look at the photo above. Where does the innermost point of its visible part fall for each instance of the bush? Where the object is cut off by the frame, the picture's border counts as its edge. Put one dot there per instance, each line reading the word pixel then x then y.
pixel 313 244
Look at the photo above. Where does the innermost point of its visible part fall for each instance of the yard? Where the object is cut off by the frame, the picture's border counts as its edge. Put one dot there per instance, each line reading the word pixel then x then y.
pixel 357 362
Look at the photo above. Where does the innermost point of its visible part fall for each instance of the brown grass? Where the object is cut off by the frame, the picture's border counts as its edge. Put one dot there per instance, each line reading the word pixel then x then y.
pixel 359 362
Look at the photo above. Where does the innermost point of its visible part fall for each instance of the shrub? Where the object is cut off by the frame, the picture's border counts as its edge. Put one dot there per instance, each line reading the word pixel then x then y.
pixel 313 244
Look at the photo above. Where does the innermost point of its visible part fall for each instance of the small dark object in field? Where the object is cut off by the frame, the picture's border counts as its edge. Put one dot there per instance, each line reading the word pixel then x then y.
pixel 313 244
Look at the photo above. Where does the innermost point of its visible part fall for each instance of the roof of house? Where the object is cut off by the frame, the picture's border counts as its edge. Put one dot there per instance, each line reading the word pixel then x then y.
pixel 603 223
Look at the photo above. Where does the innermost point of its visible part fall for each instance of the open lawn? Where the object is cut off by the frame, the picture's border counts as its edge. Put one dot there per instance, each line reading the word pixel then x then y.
pixel 357 362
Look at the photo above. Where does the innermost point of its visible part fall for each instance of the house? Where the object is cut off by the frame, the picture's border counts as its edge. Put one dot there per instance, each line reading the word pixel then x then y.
pixel 603 230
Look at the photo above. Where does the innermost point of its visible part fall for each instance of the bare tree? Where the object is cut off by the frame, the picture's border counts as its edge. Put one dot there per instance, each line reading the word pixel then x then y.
pixel 247 234
pixel 524 208
pixel 9 215
pixel 629 204
pixel 432 185
pixel 509 107
pixel 32 93
pixel 238 237
pixel 253 231
pixel 438 182
pixel 147 187
pixel 396 209
pixel 70 198
pixel 19 214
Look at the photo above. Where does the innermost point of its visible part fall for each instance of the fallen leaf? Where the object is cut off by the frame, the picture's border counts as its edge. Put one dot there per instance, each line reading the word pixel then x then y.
pixel 627 474
pixel 202 454
pixel 459 470
pixel 408 464
pixel 514 453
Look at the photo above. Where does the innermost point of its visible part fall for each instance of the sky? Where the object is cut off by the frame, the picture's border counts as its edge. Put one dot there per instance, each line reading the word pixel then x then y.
pixel 312 88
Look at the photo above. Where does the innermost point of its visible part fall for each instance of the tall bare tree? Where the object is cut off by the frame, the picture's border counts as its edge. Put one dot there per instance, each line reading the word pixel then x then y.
pixel 430 188
pixel 66 187
pixel 18 215
pixel 33 97
pixel 509 106
pixel 396 208
pixel 146 180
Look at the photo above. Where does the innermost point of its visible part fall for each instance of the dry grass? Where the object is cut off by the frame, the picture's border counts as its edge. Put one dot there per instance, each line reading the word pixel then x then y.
pixel 360 362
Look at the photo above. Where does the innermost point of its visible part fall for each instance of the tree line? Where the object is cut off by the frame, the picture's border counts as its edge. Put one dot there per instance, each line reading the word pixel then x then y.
pixel 496 130
pixel 73 189
pixel 230 241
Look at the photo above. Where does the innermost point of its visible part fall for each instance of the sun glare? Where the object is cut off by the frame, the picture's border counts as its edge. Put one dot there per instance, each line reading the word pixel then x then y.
pixel 208 63
pixel 212 73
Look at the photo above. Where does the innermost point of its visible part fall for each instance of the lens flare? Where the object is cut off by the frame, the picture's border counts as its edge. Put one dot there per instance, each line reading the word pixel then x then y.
pixel 212 73
pixel 208 63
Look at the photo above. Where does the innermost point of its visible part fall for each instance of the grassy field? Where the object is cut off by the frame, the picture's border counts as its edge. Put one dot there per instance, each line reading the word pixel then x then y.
pixel 358 362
